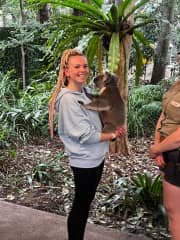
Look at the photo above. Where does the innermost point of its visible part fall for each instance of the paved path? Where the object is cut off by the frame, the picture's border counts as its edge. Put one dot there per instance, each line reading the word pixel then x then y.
pixel 23 223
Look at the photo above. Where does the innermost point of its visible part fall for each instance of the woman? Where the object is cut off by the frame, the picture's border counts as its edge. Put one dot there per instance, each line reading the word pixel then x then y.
pixel 166 151
pixel 81 133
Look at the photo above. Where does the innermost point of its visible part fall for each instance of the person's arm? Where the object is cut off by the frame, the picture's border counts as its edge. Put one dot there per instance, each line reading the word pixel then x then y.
pixel 120 131
pixel 169 143
pixel 159 159
pixel 76 124
pixel 158 125
pixel 107 136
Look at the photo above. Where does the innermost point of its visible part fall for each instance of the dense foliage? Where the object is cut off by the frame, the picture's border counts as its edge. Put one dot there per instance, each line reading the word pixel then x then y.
pixel 23 114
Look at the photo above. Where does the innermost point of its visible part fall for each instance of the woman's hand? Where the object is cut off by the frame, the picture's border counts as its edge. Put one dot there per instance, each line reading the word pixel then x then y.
pixel 158 157
pixel 153 151
pixel 159 161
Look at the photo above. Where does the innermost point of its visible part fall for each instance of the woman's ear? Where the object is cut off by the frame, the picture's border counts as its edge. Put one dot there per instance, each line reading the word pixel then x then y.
pixel 66 72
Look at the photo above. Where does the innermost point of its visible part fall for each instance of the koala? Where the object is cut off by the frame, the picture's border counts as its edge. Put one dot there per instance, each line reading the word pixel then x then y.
pixel 108 102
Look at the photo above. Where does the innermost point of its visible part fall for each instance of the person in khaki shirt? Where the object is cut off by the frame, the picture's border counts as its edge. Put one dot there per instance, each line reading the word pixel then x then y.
pixel 166 152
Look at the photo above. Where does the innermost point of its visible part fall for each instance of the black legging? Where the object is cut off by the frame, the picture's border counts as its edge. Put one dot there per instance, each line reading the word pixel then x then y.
pixel 86 181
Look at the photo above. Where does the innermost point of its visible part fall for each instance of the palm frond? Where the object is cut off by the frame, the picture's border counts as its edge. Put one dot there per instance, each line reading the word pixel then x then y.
pixel 87 9
pixel 138 61
pixel 137 6
pixel 115 17
pixel 114 53
pixel 68 39
pixel 97 3
pixel 123 6
pixel 100 55
pixel 139 35
pixel 92 48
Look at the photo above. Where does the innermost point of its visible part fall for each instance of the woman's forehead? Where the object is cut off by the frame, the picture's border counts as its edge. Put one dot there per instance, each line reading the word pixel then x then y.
pixel 77 59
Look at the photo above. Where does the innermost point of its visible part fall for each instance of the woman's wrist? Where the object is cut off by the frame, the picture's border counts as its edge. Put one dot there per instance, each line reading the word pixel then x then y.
pixel 108 136
pixel 113 136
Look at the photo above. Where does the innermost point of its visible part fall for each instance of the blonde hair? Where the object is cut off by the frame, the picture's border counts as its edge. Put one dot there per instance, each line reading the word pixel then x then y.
pixel 62 80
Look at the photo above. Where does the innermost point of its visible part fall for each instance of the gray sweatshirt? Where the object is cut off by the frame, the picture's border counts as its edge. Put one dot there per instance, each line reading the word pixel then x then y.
pixel 80 130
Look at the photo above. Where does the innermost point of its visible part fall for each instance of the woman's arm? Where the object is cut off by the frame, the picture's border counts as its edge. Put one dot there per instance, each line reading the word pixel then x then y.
pixel 158 125
pixel 159 160
pixel 169 143
pixel 120 131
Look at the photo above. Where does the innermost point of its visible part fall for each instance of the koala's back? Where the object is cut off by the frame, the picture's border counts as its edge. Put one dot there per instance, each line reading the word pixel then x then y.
pixel 116 115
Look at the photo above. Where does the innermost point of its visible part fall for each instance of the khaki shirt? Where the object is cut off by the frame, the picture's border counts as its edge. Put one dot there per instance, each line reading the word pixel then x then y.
pixel 171 110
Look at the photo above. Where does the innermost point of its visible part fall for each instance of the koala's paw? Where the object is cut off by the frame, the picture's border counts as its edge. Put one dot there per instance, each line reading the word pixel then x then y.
pixel 121 131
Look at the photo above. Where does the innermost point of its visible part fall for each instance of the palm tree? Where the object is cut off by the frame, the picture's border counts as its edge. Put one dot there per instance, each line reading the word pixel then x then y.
pixel 104 30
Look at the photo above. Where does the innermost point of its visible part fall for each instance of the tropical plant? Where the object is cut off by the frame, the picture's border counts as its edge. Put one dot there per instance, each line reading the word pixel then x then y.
pixel 111 30
pixel 138 203
pixel 29 116
pixel 148 191
pixel 119 200
pixel 144 108
pixel 46 171
pixel 23 115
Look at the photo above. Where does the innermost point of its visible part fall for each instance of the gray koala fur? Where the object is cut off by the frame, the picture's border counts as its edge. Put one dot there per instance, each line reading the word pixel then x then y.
pixel 108 102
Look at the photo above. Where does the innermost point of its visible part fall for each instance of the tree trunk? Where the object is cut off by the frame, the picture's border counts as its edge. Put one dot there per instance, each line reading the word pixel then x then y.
pixel 161 52
pixel 43 14
pixel 23 65
pixel 23 60
pixel 121 146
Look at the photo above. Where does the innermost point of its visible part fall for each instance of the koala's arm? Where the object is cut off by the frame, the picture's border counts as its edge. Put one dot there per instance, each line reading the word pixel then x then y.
pixel 90 95
pixel 98 104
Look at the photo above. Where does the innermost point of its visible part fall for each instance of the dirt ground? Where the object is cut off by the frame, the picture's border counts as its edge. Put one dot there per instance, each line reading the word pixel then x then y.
pixel 39 177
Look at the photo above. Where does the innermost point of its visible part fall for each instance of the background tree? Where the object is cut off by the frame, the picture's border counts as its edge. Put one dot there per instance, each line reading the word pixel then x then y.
pixel 111 31
pixel 43 14
pixel 161 51
pixel 23 59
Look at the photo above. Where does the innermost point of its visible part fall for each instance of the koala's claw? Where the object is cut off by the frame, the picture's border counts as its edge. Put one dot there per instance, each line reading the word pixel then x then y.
pixel 121 131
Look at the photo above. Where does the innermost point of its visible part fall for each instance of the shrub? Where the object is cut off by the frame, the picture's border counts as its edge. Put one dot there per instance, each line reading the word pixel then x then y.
pixel 138 198
pixel 144 108
pixel 23 114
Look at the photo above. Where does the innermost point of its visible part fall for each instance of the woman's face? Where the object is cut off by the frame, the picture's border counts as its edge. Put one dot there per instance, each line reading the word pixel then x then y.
pixel 77 70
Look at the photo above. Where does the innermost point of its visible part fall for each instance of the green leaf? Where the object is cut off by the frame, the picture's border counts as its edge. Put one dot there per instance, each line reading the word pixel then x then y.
pixel 92 48
pixel 137 6
pixel 115 17
pixel 139 35
pixel 123 6
pixel 82 21
pixel 114 53
pixel 100 55
pixel 98 3
pixel 86 8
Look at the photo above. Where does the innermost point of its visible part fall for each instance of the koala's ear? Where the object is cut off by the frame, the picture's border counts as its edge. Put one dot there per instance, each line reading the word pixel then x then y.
pixel 107 73
pixel 116 78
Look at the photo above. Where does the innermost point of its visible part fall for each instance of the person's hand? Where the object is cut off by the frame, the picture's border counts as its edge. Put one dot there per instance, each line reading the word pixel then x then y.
pixel 158 157
pixel 153 151
pixel 159 161
pixel 121 131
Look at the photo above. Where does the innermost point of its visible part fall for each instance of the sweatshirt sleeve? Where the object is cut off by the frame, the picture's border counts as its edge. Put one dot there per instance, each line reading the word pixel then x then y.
pixel 74 121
